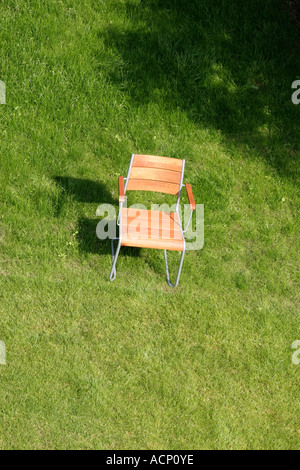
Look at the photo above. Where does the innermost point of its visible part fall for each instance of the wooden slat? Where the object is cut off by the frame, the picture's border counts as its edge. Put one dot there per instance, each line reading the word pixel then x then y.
pixel 150 219
pixel 144 213
pixel 158 186
pixel 153 232
pixel 160 244
pixel 155 174
pixel 152 223
pixel 152 161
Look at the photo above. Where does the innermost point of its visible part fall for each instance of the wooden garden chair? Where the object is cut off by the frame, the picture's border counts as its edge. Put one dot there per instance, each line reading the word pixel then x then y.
pixel 156 229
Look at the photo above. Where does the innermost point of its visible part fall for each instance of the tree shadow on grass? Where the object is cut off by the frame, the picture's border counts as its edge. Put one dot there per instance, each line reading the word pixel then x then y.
pixel 85 190
pixel 228 65
pixel 88 241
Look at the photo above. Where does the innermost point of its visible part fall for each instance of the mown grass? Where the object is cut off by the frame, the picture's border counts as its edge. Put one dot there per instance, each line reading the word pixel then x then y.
pixel 134 363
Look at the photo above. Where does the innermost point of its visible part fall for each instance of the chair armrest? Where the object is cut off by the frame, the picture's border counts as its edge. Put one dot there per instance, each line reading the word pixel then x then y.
pixel 121 189
pixel 190 196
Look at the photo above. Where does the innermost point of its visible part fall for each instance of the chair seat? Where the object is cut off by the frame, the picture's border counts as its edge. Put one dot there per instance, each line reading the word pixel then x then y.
pixel 151 229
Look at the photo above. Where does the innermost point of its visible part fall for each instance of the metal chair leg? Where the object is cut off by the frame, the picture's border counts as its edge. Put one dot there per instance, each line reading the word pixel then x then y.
pixel 179 269
pixel 113 272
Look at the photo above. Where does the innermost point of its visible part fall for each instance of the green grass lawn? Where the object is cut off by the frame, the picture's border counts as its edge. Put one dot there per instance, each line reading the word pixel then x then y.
pixel 135 363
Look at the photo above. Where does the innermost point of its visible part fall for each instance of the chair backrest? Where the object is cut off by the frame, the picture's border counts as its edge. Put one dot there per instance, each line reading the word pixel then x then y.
pixel 152 173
